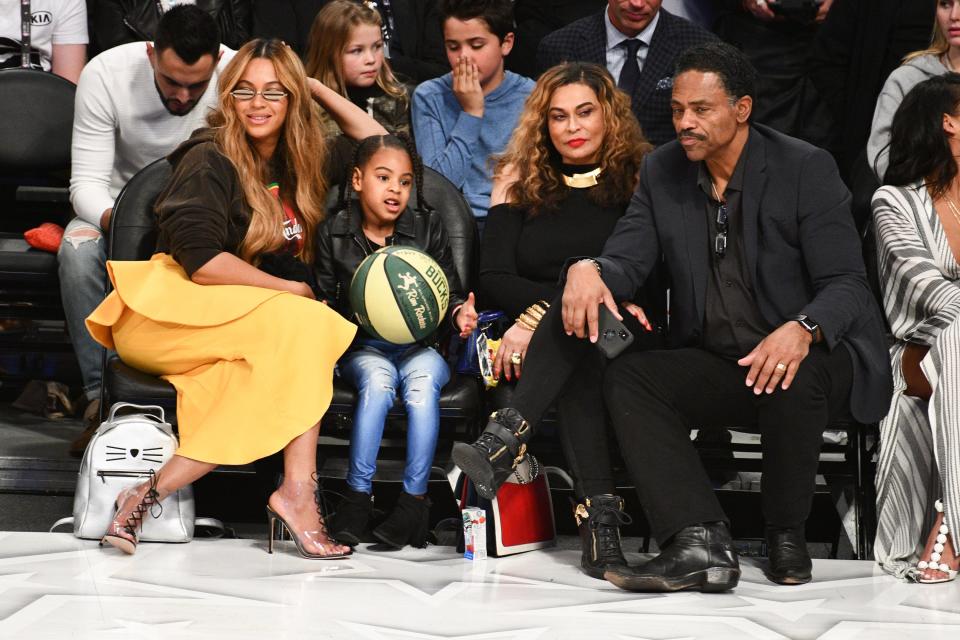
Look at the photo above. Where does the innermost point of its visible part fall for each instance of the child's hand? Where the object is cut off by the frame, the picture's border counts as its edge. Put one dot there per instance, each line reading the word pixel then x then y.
pixel 466 87
pixel 467 316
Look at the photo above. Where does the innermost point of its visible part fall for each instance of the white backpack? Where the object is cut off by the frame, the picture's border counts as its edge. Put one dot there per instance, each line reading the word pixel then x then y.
pixel 124 452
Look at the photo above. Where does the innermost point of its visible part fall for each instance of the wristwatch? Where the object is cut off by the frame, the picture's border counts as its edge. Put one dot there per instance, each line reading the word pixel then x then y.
pixel 596 265
pixel 807 323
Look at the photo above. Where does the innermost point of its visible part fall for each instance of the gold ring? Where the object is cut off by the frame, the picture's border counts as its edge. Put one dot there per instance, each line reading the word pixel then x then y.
pixel 515 357
pixel 781 366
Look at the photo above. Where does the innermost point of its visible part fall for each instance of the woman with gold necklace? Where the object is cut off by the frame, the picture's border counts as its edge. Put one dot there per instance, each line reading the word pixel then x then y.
pixel 559 189
pixel 917 222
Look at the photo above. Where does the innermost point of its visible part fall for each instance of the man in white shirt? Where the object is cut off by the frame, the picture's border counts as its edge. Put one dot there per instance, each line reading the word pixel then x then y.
pixel 57 35
pixel 135 103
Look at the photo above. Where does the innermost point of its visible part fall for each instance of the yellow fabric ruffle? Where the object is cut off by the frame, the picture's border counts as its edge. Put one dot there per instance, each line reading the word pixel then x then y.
pixel 253 367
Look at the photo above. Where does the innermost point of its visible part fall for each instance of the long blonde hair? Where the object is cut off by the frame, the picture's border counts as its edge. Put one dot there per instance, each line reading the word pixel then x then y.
pixel 534 160
pixel 329 37
pixel 299 157
pixel 939 45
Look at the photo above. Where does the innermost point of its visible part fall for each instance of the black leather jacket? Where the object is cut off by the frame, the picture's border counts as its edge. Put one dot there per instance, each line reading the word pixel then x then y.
pixel 121 21
pixel 341 247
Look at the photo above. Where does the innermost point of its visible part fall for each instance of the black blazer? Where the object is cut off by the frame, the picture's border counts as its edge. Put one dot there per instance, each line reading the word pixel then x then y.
pixel 800 244
pixel 586 41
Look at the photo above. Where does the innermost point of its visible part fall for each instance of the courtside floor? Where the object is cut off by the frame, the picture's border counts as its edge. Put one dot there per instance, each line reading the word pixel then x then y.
pixel 55 586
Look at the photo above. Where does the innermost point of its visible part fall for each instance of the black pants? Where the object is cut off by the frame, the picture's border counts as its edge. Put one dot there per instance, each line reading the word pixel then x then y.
pixel 569 370
pixel 654 398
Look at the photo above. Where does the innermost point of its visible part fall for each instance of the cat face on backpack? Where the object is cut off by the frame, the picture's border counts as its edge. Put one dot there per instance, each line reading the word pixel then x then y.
pixel 148 454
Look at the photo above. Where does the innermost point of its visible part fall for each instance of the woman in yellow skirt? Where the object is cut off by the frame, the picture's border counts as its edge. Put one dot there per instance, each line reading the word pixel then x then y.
pixel 224 310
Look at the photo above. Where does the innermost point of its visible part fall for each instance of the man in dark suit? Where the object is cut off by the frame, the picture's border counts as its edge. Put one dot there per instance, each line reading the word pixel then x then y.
pixel 773 324
pixel 638 43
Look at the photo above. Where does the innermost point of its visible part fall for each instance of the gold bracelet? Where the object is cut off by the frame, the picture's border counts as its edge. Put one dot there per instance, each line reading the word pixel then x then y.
pixel 526 322
pixel 524 325
pixel 535 312
pixel 530 320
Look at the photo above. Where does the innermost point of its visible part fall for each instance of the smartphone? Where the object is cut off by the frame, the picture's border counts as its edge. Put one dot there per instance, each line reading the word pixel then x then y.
pixel 614 337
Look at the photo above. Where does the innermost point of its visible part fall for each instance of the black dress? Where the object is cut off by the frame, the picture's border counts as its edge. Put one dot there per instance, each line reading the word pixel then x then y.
pixel 521 261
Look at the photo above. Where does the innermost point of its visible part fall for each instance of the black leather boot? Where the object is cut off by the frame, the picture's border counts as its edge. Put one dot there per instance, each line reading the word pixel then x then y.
pixel 489 461
pixel 348 525
pixel 408 523
pixel 789 557
pixel 598 519
pixel 697 557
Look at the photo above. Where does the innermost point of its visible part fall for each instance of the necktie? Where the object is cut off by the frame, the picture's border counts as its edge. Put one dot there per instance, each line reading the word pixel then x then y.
pixel 631 68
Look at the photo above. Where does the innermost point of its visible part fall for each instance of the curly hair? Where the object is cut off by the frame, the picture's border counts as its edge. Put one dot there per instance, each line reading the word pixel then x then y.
pixel 299 156
pixel 534 159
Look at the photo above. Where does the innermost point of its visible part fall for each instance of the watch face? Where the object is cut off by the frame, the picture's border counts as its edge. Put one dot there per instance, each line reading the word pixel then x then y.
pixel 807 324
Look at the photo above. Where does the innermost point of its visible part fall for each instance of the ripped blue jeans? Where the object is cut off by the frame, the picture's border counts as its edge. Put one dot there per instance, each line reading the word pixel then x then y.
pixel 83 281
pixel 378 370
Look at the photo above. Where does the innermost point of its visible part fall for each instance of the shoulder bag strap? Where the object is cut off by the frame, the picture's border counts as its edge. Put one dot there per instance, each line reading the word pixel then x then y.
pixel 26 21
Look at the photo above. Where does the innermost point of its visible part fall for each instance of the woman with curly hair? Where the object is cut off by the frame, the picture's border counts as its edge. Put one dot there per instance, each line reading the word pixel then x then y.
pixel 559 189
pixel 225 310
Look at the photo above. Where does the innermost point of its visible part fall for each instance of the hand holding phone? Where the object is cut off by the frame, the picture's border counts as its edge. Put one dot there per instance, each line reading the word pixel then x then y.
pixel 613 336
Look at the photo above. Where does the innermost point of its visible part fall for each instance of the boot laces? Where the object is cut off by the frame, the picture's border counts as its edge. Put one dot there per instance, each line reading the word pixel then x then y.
pixel 605 522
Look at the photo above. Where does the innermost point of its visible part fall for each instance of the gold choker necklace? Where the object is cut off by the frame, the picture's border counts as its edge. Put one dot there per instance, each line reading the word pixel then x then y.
pixel 582 180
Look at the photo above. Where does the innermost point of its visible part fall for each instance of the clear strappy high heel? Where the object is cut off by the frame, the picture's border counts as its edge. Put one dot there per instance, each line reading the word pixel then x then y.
pixel 131 505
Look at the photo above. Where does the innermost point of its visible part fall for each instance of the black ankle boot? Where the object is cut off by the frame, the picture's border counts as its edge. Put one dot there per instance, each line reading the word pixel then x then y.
pixel 349 524
pixel 698 557
pixel 789 558
pixel 408 523
pixel 489 461
pixel 598 519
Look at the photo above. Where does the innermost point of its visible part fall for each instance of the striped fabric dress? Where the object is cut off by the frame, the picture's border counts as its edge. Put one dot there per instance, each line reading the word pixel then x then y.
pixel 920 440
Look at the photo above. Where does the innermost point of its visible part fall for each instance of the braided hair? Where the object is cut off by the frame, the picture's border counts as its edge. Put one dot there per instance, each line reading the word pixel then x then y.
pixel 365 150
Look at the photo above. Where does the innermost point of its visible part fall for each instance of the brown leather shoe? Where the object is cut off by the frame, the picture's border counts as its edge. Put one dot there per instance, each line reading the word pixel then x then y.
pixel 91 419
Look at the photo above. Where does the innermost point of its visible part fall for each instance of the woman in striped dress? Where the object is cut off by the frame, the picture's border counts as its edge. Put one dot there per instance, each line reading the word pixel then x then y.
pixel 917 222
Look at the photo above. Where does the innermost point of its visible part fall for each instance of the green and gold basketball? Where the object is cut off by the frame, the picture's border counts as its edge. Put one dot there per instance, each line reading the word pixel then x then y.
pixel 399 294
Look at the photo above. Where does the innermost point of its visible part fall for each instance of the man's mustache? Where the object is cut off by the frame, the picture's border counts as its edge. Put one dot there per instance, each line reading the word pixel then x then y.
pixel 686 133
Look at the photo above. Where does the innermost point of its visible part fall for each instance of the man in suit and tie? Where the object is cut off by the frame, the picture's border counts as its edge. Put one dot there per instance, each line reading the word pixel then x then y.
pixel 638 43
pixel 773 323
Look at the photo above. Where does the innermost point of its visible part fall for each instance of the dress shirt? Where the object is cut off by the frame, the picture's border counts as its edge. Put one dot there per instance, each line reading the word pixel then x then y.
pixel 617 54
pixel 732 322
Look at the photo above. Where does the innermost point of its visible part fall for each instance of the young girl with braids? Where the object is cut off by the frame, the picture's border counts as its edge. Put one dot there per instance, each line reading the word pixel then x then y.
pixel 346 53
pixel 385 170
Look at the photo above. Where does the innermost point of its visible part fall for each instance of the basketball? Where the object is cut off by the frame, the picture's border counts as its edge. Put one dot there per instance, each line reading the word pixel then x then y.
pixel 399 294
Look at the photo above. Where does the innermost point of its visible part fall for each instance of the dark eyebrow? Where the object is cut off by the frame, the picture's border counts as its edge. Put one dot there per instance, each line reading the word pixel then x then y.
pixel 180 84
pixel 250 84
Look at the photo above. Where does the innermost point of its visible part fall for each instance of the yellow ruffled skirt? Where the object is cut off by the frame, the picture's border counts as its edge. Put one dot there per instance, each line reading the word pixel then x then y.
pixel 253 367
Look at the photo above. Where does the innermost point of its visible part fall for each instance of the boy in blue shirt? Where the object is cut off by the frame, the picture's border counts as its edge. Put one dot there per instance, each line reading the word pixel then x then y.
pixel 464 117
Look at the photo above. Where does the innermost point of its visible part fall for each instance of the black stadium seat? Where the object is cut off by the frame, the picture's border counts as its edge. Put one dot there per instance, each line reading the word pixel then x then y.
pixel 36 128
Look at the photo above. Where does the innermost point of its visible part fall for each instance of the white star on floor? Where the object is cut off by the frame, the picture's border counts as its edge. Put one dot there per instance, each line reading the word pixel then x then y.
pixel 385 633
pixel 792 611
pixel 149 631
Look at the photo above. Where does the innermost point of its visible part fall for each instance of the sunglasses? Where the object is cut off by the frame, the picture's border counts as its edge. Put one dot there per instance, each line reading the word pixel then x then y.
pixel 273 95
pixel 720 242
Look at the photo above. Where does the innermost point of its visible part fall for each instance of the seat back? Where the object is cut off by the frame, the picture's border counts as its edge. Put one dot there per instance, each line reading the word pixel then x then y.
pixel 36 121
pixel 461 226
pixel 457 216
pixel 133 224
